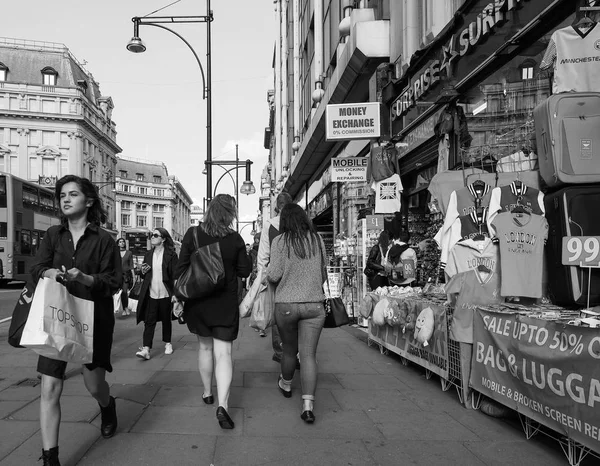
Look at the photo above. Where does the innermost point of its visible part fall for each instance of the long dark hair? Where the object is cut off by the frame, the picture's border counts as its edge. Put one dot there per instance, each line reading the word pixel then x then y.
pixel 96 213
pixel 298 231
pixel 384 240
pixel 220 214
pixel 169 245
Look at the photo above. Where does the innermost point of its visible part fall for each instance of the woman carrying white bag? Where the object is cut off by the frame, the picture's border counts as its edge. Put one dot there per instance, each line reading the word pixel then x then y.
pixel 84 257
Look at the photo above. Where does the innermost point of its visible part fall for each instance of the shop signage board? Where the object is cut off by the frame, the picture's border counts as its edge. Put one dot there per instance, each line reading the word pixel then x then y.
pixel 582 251
pixel 375 222
pixel 545 370
pixel 434 356
pixel 349 169
pixel 352 121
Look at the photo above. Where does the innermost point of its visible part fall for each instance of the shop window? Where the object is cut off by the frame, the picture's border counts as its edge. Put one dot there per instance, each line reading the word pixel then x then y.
pixel 3 71
pixel 49 76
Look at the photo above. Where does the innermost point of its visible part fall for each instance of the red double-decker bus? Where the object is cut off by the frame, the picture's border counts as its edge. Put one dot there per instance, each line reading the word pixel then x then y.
pixel 27 210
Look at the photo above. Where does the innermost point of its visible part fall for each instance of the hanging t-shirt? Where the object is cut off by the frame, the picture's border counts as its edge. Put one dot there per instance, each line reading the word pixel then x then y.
pixel 517 162
pixel 383 162
pixel 473 288
pixel 506 198
pixel 575 56
pixel 469 254
pixel 521 239
pixel 464 227
pixel 388 194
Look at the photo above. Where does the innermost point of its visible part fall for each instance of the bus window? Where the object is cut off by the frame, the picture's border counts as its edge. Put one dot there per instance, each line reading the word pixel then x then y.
pixel 47 202
pixel 25 242
pixel 35 242
pixel 2 191
pixel 30 197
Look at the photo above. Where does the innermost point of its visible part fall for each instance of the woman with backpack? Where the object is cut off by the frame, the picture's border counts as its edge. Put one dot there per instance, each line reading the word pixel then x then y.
pixel 215 318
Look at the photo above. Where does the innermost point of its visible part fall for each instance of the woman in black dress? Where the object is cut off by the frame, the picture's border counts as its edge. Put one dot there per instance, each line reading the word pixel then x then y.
pixel 154 305
pixel 215 319
pixel 85 258
pixel 127 266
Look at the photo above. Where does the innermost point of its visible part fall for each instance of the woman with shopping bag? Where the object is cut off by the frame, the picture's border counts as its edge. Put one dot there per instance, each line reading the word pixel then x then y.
pixel 127 283
pixel 83 257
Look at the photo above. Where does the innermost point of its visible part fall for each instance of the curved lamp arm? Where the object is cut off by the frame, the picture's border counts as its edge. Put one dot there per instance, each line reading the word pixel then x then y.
pixel 186 43
pixel 227 172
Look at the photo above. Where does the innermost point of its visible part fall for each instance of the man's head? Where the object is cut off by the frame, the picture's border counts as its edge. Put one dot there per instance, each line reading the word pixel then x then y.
pixel 256 239
pixel 404 236
pixel 282 200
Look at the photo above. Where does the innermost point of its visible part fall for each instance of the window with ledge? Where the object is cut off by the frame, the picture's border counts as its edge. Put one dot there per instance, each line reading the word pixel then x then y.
pixel 158 222
pixel 157 179
pixel 139 176
pixel 126 205
pixel 49 76
pixel 158 208
pixel 142 190
pixel 527 73
pixel 3 71
pixel 125 220
pixel 159 192
pixel 123 173
pixel 142 221
pixel 126 188
pixel 141 206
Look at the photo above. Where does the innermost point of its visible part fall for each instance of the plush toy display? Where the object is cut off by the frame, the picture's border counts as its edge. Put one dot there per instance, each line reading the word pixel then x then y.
pixel 365 308
pixel 424 326
pixel 395 314
pixel 411 318
pixel 378 316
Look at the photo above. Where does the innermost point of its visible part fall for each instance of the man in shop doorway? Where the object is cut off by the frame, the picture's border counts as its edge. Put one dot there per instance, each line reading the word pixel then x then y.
pixel 402 263
pixel 269 233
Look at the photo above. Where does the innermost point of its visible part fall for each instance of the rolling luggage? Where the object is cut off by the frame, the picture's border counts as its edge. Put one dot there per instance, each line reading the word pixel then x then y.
pixel 568 138
pixel 571 212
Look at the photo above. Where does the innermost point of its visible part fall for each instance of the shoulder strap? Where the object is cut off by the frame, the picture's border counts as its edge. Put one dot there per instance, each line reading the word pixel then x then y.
pixel 195 236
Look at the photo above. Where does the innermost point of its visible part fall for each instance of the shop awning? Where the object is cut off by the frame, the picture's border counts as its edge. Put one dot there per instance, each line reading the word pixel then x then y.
pixel 367 48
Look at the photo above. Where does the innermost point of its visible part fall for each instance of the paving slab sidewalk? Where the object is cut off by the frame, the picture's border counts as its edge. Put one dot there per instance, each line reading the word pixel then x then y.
pixel 370 409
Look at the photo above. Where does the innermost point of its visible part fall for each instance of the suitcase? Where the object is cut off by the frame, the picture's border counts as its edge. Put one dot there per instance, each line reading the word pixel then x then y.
pixel 571 211
pixel 567 132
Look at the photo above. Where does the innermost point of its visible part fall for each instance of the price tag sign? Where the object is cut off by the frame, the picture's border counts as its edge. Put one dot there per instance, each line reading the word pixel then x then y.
pixel 582 251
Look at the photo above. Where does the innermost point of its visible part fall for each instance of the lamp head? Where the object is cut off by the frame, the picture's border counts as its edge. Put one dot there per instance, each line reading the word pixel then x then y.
pixel 248 188
pixel 136 45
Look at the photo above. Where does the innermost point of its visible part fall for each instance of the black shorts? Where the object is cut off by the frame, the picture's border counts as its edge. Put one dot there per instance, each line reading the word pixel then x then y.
pixel 55 368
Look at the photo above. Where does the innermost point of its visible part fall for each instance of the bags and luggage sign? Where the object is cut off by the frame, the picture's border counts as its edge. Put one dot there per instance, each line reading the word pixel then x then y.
pixel 582 251
pixel 352 121
pixel 349 169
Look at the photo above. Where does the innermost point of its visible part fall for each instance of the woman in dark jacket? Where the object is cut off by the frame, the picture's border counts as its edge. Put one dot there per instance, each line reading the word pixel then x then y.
pixel 85 258
pixel 215 319
pixel 158 270
pixel 127 266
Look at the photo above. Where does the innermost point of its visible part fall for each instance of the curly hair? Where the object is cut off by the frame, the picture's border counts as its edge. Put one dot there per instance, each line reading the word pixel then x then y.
pixel 96 214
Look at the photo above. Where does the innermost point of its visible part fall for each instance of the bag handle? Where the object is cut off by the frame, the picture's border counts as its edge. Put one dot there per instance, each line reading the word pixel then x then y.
pixel 195 237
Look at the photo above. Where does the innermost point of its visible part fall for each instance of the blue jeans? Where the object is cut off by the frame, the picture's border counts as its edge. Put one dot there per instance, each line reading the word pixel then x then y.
pixel 300 326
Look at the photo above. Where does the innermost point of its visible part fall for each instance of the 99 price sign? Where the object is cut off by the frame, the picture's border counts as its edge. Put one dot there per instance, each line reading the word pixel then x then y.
pixel 583 251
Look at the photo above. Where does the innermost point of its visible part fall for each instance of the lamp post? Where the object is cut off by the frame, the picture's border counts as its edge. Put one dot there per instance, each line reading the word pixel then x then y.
pixel 136 45
pixel 247 187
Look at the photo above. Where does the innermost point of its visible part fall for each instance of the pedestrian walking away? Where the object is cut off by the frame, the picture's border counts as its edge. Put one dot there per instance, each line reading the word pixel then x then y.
pixel 127 282
pixel 298 266
pixel 269 233
pixel 156 293
pixel 214 319
pixel 85 258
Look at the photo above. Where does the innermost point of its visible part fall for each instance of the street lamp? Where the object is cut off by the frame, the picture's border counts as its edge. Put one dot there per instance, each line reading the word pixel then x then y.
pixel 136 45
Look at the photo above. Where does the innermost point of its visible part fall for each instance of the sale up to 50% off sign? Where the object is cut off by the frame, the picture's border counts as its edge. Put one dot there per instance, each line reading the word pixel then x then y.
pixel 582 251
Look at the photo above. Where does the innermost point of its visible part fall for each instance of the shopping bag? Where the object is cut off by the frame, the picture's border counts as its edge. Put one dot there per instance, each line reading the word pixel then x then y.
pixel 20 314
pixel 60 326
pixel 117 303
pixel 263 310
pixel 133 305
pixel 248 301
pixel 134 293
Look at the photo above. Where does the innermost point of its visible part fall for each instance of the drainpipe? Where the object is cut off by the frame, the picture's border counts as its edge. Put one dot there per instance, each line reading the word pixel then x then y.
pixel 277 129
pixel 285 157
pixel 296 144
pixel 318 92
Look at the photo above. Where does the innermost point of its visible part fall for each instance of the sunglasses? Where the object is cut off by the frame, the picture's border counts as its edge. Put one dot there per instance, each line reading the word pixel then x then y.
pixel 154 235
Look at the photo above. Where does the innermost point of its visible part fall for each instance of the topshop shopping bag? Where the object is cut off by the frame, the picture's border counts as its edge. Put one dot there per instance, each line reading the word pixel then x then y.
pixel 117 303
pixel 60 326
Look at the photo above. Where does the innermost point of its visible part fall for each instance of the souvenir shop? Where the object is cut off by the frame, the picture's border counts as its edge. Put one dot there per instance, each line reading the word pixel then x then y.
pixel 496 128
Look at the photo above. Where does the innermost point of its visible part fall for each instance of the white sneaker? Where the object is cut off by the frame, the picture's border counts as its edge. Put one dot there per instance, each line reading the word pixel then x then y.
pixel 168 348
pixel 143 353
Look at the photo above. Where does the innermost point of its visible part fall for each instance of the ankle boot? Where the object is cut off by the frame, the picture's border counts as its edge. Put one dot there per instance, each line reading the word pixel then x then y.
pixel 50 457
pixel 108 426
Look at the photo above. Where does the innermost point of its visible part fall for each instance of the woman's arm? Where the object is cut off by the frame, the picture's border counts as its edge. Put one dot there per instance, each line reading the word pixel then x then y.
pixel 277 261
pixel 374 260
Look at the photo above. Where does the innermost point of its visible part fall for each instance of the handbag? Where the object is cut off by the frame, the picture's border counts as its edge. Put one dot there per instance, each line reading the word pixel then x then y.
pixel 20 314
pixel 206 273
pixel 117 303
pixel 136 289
pixel 60 325
pixel 335 310
pixel 263 316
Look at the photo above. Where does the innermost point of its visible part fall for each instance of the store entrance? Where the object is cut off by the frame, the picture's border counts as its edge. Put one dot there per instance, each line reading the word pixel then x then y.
pixel 324 225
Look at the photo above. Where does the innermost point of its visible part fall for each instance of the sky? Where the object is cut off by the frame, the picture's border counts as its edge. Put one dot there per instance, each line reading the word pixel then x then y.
pixel 159 110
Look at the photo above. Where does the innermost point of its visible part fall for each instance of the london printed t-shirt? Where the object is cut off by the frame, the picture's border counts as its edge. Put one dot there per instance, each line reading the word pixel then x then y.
pixel 575 56
pixel 388 195
pixel 521 240
pixel 473 288
pixel 506 198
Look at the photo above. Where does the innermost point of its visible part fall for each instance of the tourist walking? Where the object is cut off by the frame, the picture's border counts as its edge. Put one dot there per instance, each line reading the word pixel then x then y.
pixel 127 267
pixel 215 318
pixel 85 258
pixel 298 267
pixel 156 293
pixel 269 232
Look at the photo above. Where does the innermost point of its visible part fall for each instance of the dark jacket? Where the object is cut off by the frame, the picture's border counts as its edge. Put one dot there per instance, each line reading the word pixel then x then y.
pixel 221 308
pixel 374 259
pixel 169 263
pixel 127 265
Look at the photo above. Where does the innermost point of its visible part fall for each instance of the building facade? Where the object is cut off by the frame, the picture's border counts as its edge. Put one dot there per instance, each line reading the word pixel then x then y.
pixel 196 215
pixel 54 119
pixel 148 198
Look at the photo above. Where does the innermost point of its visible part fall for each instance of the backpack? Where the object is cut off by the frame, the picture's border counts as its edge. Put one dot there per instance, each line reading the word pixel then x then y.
pixel 206 273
